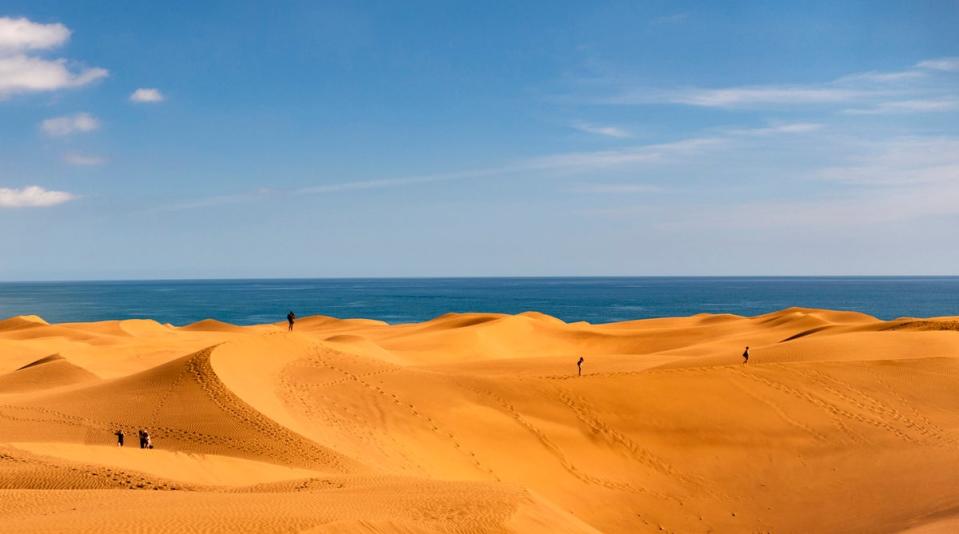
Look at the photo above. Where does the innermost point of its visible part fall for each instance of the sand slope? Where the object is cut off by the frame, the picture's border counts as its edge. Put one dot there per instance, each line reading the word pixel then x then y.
pixel 478 423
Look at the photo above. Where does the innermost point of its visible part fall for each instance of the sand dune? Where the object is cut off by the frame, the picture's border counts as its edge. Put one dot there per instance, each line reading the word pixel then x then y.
pixel 478 423
pixel 46 373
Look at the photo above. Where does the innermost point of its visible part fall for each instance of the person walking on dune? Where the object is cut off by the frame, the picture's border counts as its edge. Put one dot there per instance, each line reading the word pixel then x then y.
pixel 119 435
pixel 148 443
pixel 290 317
pixel 143 440
pixel 746 356
pixel 579 366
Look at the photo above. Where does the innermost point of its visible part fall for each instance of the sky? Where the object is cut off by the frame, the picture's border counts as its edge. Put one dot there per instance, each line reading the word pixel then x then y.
pixel 234 139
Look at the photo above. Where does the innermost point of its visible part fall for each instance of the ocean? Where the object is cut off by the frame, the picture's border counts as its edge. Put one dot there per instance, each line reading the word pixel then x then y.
pixel 402 300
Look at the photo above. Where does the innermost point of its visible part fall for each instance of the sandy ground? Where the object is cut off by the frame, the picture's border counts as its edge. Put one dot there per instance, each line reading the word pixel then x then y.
pixel 479 423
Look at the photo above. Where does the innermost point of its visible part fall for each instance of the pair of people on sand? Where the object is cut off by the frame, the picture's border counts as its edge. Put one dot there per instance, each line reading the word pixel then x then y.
pixel 145 441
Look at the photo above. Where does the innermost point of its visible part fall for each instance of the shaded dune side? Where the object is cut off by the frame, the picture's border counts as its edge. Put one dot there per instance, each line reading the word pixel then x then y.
pixel 21 321
pixel 944 324
pixel 46 373
pixel 923 325
pixel 41 361
pixel 185 407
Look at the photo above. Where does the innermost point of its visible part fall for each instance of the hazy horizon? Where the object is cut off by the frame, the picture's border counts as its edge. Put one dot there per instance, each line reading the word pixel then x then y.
pixel 482 277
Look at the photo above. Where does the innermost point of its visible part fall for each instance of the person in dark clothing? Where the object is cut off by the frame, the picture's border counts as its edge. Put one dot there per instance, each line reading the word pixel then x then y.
pixel 579 366
pixel 142 434
pixel 290 317
pixel 746 356
pixel 119 435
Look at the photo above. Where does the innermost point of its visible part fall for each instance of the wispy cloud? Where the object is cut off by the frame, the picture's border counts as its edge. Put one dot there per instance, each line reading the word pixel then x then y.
pixel 386 183
pixel 83 160
pixel 898 162
pixel 930 105
pixel 218 200
pixel 602 159
pixel 21 71
pixel 763 95
pixel 616 188
pixel 562 163
pixel 147 96
pixel 671 19
pixel 787 128
pixel 69 124
pixel 597 129
pixel 923 81
pixel 945 63
pixel 567 162
pixel 883 77
pixel 32 197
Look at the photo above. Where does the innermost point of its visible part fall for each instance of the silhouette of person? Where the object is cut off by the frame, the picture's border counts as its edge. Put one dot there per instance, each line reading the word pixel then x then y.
pixel 746 356
pixel 290 317
pixel 147 442
pixel 579 366
pixel 119 435
pixel 142 434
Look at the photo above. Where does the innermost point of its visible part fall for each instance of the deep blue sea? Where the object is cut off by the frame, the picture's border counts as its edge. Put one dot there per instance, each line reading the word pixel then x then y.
pixel 597 300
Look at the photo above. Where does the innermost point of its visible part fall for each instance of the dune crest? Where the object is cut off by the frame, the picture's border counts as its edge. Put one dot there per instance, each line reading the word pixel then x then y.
pixel 479 422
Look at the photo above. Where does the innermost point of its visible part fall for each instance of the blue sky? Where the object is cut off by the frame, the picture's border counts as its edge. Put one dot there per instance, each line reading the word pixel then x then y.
pixel 275 139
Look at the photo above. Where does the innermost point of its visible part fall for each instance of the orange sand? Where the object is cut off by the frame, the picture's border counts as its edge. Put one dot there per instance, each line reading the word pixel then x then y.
pixel 477 423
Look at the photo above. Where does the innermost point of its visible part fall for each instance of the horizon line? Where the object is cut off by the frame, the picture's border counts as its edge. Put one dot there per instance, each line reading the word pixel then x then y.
pixel 476 277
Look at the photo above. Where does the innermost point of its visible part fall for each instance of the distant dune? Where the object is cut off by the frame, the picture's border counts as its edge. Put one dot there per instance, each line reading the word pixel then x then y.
pixel 840 422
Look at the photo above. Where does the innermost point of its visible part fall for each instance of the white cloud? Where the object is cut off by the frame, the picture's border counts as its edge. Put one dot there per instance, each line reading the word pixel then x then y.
pixel 21 72
pixel 22 34
pixel 69 124
pixel 608 131
pixel 147 95
pixel 32 197
pixel 83 160
pixel 945 63
pixel 25 74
